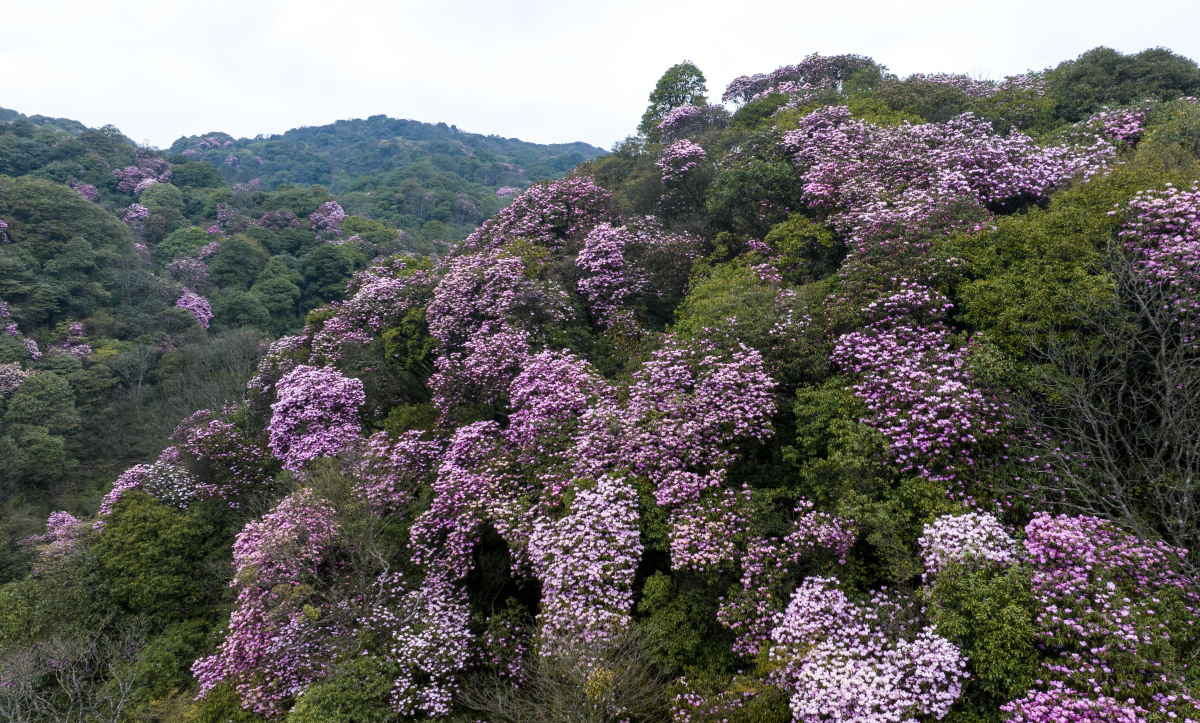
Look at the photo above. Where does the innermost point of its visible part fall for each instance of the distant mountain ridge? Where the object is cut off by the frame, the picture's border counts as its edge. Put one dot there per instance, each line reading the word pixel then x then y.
pixel 339 154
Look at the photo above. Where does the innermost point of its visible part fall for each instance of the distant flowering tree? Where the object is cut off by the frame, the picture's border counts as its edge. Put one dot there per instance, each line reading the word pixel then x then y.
pixel 63 536
pixel 196 305
pixel 86 190
pixel 328 218
pixel 12 376
pixel 136 214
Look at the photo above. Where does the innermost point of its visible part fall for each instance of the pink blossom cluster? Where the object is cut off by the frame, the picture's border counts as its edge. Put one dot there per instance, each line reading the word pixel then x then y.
pixel 147 167
pixel 974 87
pixel 854 170
pixel 74 343
pixel 485 315
pixel 226 463
pixel 839 663
pixel 64 533
pixel 621 264
pixel 196 305
pixel 136 214
pixel 315 415
pixel 1162 232
pixel 392 472
pixel 328 217
pixel 281 638
pixel 913 379
pixel 506 191
pixel 1113 612
pixel 974 538
pixel 12 376
pixel 281 358
pixel 474 484
pixel 3 232
pixel 424 631
pixel 1124 125
pixel 86 190
pixel 687 120
pixel 278 220
pixel 586 561
pixel 547 214
pixel 164 480
pixel 815 71
pixel 756 605
pixel 679 158
pixel 379 297
pixel 189 269
pixel 1059 704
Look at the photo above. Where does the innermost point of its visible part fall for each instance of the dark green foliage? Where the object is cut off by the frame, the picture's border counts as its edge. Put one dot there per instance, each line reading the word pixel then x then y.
pixel 154 557
pixel 989 615
pixel 1103 76
pixel 749 198
pixel 358 692
pixel 682 623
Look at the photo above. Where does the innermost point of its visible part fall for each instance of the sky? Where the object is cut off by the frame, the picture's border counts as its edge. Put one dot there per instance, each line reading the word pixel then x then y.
pixel 541 71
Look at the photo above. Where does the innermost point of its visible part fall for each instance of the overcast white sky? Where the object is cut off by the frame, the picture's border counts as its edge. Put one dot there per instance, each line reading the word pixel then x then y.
pixel 541 71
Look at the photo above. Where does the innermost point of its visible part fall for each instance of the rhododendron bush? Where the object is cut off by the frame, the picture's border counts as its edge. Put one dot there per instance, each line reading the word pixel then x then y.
pixel 747 421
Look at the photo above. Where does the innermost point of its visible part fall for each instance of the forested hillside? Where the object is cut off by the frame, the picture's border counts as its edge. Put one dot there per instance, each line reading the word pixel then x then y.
pixel 849 397
pixel 138 286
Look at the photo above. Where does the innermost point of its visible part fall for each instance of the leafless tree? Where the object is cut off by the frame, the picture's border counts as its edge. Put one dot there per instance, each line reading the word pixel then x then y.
pixel 81 678
pixel 581 682
pixel 1119 405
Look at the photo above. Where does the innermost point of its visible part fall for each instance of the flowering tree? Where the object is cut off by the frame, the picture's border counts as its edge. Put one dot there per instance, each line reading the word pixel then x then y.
pixel 316 415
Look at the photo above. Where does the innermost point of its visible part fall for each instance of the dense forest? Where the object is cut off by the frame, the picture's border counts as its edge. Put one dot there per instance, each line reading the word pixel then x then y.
pixel 842 397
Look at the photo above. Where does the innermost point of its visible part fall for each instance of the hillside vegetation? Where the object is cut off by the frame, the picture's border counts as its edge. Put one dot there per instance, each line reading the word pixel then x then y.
pixel 848 398
pixel 140 286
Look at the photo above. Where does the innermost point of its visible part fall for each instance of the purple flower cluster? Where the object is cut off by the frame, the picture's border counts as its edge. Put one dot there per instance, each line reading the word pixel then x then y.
pixel 853 170
pixel 815 71
pixel 278 220
pixel 328 217
pixel 279 639
pixel 546 214
pixel 974 539
pixel 1162 233
pixel 147 167
pixel 63 535
pixel 196 305
pixel 316 415
pixel 12 376
pixel 679 158
pixel 756 605
pixel 688 120
pixel 839 662
pixel 913 379
pixel 86 190
pixel 586 561
pixel 136 214
pixel 1113 612
pixel 422 630
pixel 506 191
